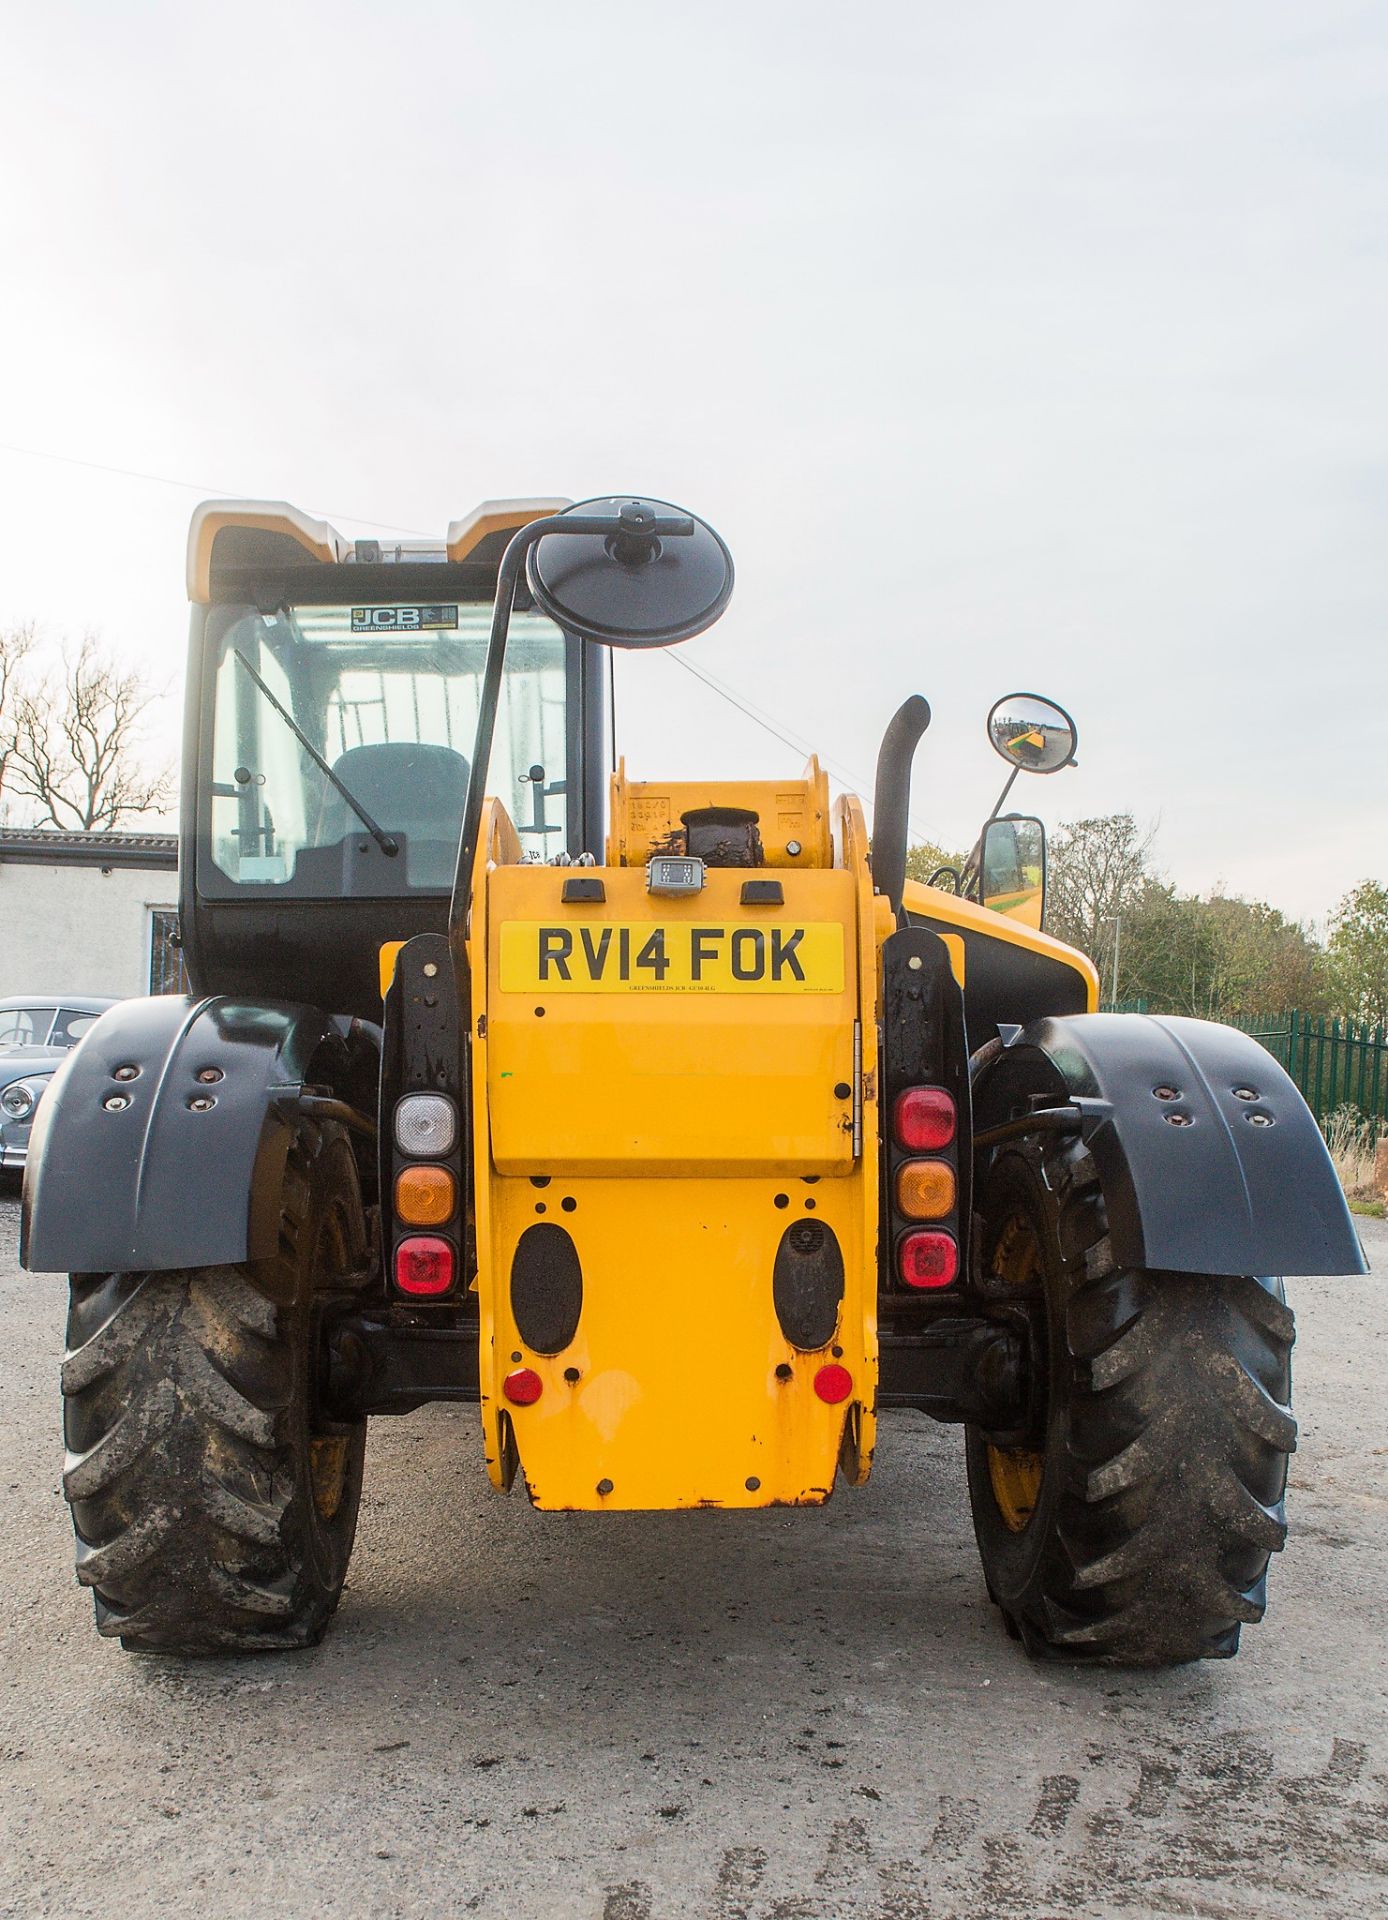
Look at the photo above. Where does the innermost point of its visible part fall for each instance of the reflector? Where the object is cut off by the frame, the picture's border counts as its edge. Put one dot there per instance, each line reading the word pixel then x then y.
pixel 833 1383
pixel 523 1387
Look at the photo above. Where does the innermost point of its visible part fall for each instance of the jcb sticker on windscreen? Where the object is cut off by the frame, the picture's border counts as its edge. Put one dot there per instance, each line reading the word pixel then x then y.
pixel 670 957
pixel 420 619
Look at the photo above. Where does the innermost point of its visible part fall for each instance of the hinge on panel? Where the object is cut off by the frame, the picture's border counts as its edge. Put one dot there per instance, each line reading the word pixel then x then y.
pixel 857 1089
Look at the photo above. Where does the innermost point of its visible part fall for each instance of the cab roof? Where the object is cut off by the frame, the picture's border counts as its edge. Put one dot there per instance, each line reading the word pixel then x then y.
pixel 249 533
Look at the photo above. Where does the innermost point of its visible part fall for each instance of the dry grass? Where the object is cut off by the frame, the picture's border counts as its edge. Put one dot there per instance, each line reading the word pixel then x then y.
pixel 1350 1138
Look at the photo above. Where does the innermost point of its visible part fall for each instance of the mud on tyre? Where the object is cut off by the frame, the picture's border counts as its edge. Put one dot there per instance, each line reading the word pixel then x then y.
pixel 1137 1525
pixel 214 1505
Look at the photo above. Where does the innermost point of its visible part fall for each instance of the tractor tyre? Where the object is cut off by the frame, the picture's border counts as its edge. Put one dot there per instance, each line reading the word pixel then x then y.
pixel 1136 1527
pixel 214 1503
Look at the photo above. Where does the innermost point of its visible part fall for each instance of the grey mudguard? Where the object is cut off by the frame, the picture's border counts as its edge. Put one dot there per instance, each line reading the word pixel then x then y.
pixel 157 1182
pixel 1198 1177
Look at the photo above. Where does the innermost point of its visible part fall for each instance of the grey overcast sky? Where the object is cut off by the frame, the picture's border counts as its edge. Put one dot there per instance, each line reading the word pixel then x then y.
pixel 1008 345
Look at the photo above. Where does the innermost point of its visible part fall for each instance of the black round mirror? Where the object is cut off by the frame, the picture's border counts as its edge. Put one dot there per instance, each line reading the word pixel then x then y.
pixel 1031 733
pixel 635 587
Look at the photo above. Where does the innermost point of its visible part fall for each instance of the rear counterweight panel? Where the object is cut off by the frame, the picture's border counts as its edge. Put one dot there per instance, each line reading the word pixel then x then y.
pixel 669 1393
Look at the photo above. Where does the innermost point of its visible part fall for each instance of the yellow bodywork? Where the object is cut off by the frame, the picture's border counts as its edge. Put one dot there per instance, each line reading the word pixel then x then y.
pixel 676 1130
pixel 676 1081
pixel 938 908
pixel 793 815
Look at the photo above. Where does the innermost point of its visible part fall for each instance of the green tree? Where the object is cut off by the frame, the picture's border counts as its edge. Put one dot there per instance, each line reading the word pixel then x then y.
pixel 1218 959
pixel 1096 875
pixel 926 856
pixel 1357 953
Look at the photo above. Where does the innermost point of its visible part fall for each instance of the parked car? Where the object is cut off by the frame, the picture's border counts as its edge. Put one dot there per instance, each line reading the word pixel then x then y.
pixel 36 1035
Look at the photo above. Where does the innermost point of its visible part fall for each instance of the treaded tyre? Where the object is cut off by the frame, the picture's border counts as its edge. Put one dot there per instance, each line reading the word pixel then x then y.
pixel 1139 1530
pixel 214 1505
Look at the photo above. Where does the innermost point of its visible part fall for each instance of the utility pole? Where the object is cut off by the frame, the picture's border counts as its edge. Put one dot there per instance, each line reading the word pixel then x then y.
pixel 1117 943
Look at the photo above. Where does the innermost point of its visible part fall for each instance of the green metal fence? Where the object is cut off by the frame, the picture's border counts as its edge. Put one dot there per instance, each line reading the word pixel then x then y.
pixel 1336 1063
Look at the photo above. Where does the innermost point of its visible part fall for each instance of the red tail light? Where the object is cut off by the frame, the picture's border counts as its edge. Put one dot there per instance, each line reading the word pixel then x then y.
pixel 929 1259
pixel 523 1387
pixel 424 1265
pixel 923 1119
pixel 833 1384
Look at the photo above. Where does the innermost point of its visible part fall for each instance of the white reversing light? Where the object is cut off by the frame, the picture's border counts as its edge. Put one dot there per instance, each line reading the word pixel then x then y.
pixel 426 1123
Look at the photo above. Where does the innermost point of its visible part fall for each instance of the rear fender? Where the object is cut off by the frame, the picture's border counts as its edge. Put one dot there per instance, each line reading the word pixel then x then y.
pixel 125 1173
pixel 1199 1177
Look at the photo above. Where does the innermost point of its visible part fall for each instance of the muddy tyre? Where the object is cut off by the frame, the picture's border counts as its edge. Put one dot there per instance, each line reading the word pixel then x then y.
pixel 1137 1527
pixel 214 1505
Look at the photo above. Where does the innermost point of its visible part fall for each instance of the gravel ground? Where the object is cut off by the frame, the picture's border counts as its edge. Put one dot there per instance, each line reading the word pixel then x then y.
pixel 750 1717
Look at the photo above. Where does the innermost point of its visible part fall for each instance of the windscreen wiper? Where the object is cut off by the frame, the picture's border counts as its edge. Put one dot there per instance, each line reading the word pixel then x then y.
pixel 386 842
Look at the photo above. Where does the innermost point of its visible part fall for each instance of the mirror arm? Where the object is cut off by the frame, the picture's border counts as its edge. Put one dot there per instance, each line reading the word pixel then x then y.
pixel 1002 797
pixel 507 579
pixel 971 881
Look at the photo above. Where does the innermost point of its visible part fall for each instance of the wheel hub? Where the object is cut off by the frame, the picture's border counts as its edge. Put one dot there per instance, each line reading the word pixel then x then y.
pixel 1015 1472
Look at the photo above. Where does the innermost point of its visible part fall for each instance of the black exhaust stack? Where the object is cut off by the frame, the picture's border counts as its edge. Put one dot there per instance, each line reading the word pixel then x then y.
pixel 892 799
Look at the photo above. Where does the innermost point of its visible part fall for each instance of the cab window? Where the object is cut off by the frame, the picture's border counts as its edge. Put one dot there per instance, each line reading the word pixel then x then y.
pixel 338 728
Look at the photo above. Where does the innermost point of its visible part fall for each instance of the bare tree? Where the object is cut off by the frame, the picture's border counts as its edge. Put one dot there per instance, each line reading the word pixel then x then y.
pixel 76 744
pixel 15 643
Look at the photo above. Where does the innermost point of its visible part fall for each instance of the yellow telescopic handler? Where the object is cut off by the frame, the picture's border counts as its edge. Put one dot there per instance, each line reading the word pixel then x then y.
pixel 662 1120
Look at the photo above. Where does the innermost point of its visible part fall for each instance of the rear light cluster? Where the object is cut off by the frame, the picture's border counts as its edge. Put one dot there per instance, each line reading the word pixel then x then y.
pixel 925 1190
pixel 425 1195
pixel 423 1266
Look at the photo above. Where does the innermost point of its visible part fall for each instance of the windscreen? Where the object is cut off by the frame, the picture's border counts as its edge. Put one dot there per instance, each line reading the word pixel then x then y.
pixel 342 737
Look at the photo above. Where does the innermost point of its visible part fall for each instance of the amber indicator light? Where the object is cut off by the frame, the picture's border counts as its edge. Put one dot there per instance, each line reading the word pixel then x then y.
pixel 425 1196
pixel 925 1190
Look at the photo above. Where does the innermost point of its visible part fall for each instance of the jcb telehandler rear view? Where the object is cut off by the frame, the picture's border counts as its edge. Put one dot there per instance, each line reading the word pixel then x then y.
pixel 661 1119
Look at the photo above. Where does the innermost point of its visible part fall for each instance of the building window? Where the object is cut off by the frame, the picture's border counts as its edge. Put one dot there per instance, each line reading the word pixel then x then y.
pixel 168 972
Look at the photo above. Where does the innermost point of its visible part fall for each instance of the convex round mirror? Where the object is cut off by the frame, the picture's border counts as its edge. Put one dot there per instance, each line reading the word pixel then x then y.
pixel 642 585
pixel 1031 733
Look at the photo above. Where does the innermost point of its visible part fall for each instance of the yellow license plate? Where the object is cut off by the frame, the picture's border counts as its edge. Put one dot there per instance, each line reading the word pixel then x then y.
pixel 651 956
